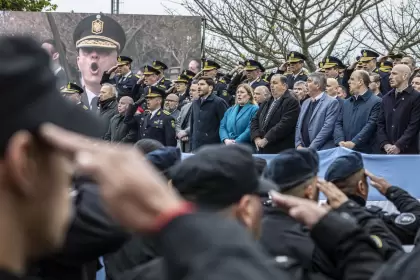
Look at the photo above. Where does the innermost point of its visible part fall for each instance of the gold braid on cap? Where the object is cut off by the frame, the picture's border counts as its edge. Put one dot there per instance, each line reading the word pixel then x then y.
pixel 97 41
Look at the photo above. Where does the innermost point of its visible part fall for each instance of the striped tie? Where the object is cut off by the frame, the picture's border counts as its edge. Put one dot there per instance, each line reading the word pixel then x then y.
pixel 270 110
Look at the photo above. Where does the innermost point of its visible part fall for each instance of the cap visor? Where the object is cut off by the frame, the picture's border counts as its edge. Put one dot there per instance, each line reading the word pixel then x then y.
pixel 366 59
pixel 54 108
pixel 293 60
pixel 208 68
pixel 328 66
pixel 250 68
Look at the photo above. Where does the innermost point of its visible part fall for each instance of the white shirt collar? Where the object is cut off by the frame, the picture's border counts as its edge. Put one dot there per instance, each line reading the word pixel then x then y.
pixel 126 75
pixel 154 112
pixel 90 96
pixel 251 83
pixel 318 97
pixel 57 70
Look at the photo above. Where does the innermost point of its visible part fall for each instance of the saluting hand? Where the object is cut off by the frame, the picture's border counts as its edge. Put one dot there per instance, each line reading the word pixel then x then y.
pixel 303 210
pixel 378 183
pixel 335 197
pixel 134 203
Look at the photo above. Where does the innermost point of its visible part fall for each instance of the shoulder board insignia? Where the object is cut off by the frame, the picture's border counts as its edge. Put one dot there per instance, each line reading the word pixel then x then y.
pixel 138 76
pixel 173 123
pixel 304 72
pixel 130 76
pixel 225 93
pixel 85 107
pixel 405 219
pixel 158 113
pixel 166 112
pixel 222 81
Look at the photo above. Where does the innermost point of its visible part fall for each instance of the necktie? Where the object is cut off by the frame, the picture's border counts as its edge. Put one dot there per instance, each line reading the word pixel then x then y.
pixel 94 104
pixel 270 110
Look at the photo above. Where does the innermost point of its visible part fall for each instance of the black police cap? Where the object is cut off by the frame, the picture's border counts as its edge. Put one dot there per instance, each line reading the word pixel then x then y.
pixel 292 167
pixel 253 65
pixel 155 92
pixel 218 176
pixel 296 57
pixel 385 66
pixel 24 110
pixel 71 88
pixel 124 60
pixel 99 31
pixel 210 65
pixel 332 61
pixel 343 167
pixel 182 79
pixel 368 55
pixel 149 70
pixel 190 74
pixel 159 65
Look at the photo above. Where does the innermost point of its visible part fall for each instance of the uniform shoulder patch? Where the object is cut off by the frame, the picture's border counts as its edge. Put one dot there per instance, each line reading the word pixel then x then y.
pixel 377 241
pixel 85 107
pixel 405 219
pixel 138 76
pixel 173 123
pixel 225 93
pixel 166 113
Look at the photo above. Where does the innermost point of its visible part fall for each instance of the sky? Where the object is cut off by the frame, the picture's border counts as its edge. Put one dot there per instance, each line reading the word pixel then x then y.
pixel 149 7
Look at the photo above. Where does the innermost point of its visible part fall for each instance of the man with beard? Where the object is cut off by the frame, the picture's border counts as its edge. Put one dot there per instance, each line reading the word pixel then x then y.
pixel 98 40
pixel 171 105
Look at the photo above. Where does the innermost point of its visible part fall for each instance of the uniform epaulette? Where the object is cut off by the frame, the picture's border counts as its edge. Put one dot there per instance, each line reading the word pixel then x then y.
pixel 222 81
pixel 287 73
pixel 304 72
pixel 85 107
pixel 138 76
pixel 166 112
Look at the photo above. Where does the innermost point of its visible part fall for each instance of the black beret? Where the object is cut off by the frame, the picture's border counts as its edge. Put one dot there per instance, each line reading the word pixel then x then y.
pixel 99 31
pixel 292 168
pixel 24 110
pixel 218 176
pixel 343 167
pixel 164 158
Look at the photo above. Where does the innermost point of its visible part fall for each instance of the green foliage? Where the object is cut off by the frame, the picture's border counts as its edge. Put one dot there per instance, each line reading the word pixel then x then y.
pixel 27 5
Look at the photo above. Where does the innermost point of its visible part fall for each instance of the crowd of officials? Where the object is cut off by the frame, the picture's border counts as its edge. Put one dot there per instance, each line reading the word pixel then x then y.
pixel 69 197
pixel 371 106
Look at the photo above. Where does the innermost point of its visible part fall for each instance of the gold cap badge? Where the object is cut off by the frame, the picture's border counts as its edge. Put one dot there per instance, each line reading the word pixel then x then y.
pixel 292 55
pixel 97 25
pixel 365 53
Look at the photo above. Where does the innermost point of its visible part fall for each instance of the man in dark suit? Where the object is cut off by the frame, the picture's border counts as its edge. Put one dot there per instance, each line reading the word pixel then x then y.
pixel 317 119
pixel 356 124
pixel 273 127
pixel 399 119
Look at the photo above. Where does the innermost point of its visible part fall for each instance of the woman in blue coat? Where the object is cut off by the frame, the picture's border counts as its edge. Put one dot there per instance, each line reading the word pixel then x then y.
pixel 235 125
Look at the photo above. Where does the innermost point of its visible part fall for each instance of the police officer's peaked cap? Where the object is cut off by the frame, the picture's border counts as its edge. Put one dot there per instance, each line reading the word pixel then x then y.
pixel 71 88
pixel 344 166
pixel 150 70
pixel 210 65
pixel 155 92
pixel 182 79
pixel 253 65
pixel 296 57
pixel 159 65
pixel 386 66
pixel 190 74
pixel 332 61
pixel 292 167
pixel 99 31
pixel 368 55
pixel 124 60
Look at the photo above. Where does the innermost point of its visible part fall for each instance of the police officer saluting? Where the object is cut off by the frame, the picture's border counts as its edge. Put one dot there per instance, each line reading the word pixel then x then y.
pixel 254 71
pixel 162 67
pixel 158 123
pixel 348 174
pixel 296 61
pixel 124 80
pixel 74 93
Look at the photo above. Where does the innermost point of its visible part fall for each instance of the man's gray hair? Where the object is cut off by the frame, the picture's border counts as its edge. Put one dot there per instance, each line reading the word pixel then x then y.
pixel 301 83
pixel 112 87
pixel 318 79
pixel 265 90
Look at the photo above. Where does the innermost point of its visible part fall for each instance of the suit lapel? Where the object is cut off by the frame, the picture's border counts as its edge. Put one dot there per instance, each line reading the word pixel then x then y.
pixel 264 112
pixel 317 107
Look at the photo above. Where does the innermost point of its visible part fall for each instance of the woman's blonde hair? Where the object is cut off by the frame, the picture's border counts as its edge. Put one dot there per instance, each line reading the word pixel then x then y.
pixel 250 92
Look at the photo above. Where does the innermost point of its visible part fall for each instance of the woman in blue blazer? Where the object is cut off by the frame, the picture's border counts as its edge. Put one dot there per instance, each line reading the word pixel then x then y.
pixel 235 125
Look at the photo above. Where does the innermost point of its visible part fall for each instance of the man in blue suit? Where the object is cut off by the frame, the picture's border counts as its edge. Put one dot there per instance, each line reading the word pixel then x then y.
pixel 356 125
pixel 317 118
